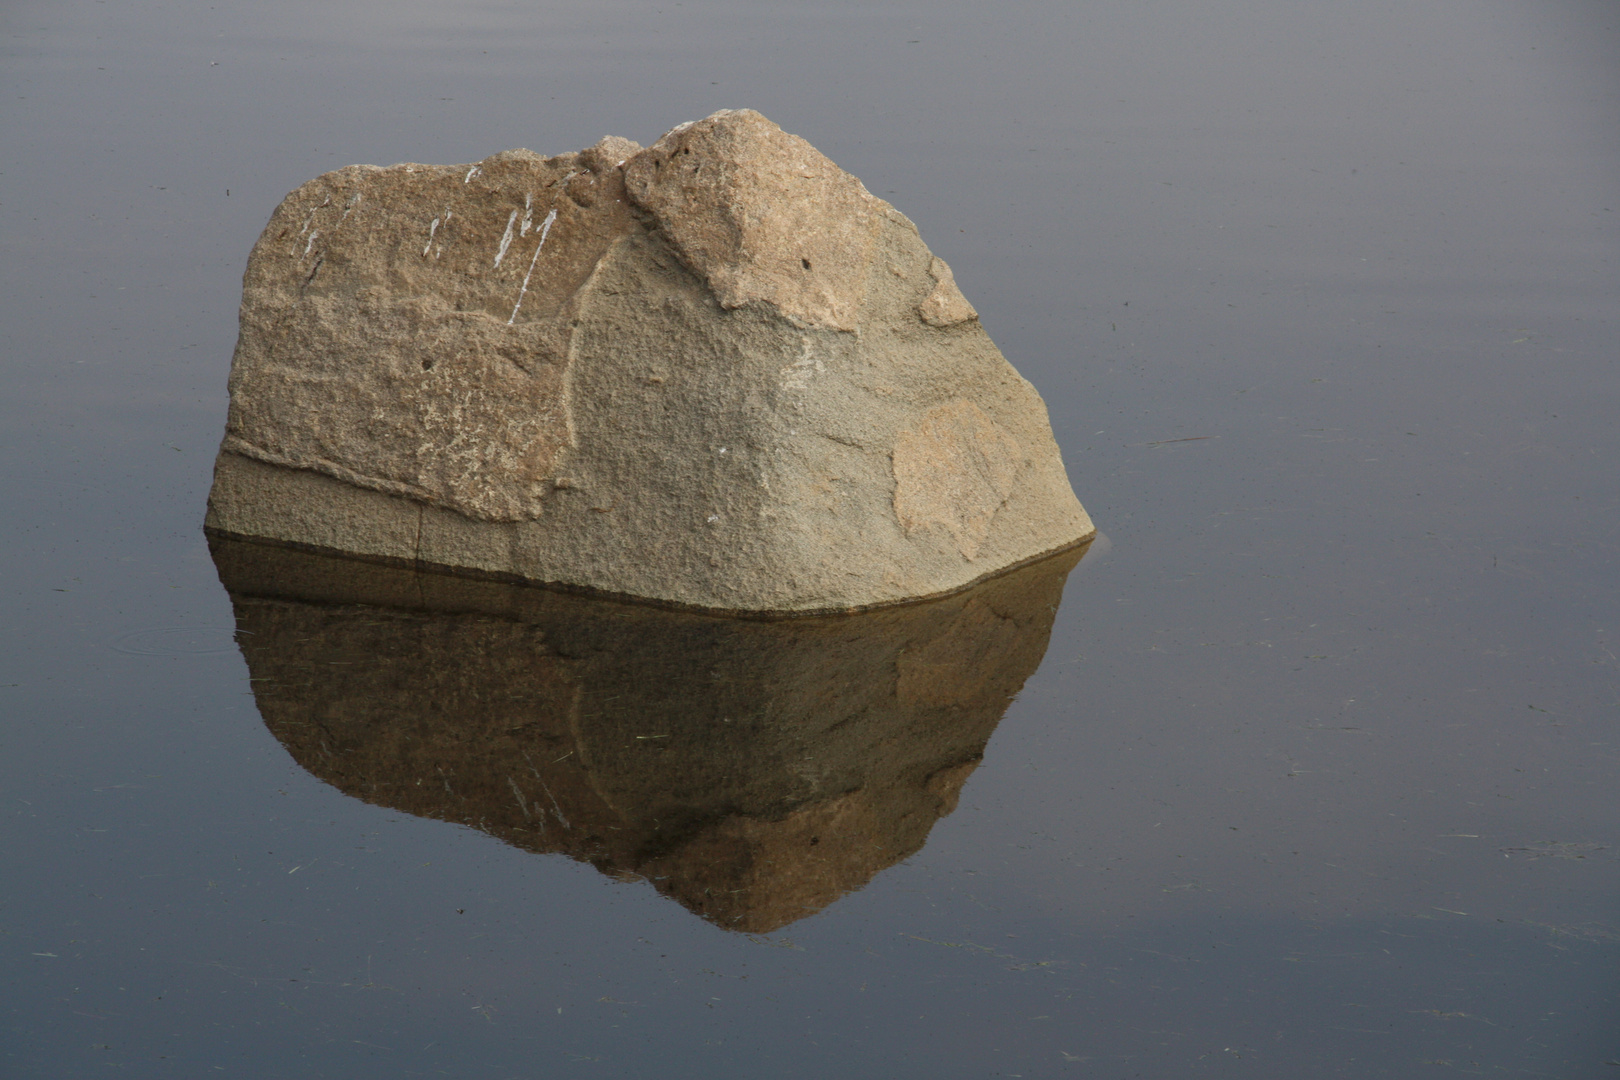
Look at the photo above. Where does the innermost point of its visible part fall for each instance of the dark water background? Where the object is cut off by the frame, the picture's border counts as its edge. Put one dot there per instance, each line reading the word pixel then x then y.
pixel 1318 777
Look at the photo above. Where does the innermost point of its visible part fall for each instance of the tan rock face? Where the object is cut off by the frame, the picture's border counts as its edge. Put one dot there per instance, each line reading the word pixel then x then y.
pixel 945 306
pixel 762 215
pixel 401 332
pixel 956 471
pixel 716 372
pixel 753 770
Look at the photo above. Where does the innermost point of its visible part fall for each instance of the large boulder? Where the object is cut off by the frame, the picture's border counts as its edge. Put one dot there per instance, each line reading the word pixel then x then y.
pixel 716 372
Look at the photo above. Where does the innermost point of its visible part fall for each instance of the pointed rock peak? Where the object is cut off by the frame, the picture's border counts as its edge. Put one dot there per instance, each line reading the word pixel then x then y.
pixel 761 215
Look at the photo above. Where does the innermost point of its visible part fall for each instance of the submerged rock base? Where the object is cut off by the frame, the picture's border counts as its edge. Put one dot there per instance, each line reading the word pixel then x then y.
pixel 715 373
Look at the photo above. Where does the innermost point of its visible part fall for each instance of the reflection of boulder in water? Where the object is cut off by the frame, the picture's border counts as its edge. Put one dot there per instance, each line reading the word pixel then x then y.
pixel 754 770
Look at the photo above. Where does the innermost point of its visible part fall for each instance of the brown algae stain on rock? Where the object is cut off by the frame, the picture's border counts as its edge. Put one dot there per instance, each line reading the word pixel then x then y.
pixel 955 470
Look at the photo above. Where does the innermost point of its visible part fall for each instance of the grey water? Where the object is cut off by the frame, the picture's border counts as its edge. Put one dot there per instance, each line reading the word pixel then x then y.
pixel 1314 775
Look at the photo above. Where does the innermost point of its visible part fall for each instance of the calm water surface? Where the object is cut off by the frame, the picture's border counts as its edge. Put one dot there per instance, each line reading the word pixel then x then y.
pixel 1313 773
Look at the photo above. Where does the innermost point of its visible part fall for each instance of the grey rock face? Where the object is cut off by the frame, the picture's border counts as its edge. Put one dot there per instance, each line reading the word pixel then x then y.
pixel 716 372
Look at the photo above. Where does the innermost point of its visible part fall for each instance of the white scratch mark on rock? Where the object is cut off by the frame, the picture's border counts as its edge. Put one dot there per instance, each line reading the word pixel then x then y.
pixel 545 230
pixel 354 201
pixel 523 803
pixel 472 172
pixel 555 806
pixel 528 214
pixel 311 243
pixel 443 219
pixel 506 238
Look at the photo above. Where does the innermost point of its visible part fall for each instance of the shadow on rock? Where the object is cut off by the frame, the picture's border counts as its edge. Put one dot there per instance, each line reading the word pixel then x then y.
pixel 753 770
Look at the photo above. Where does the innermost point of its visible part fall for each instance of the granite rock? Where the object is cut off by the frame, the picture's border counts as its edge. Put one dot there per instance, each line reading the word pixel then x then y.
pixel 716 372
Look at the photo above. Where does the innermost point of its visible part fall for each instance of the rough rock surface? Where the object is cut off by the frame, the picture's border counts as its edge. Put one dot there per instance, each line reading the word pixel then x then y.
pixel 754 770
pixel 716 372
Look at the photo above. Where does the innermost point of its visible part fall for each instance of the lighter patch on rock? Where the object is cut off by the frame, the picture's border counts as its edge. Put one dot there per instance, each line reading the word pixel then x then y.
pixel 954 471
pixel 945 306
pixel 805 366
